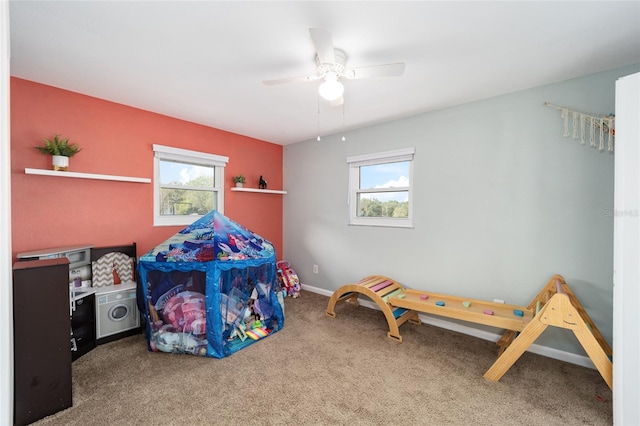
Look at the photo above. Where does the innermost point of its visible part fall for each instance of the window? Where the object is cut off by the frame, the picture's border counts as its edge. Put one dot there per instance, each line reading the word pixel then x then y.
pixel 380 189
pixel 187 185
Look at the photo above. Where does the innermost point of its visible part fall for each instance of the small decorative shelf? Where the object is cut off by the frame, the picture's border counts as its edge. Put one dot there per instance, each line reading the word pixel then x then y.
pixel 85 175
pixel 266 191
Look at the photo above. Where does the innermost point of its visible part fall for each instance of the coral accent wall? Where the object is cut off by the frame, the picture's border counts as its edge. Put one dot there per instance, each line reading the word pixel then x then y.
pixel 117 140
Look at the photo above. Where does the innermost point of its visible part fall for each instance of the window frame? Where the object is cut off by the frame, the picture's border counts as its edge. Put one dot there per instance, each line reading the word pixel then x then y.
pixel 179 155
pixel 386 157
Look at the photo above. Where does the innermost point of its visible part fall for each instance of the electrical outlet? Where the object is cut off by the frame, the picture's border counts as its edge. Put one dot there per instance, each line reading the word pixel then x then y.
pixel 498 301
pixel 315 269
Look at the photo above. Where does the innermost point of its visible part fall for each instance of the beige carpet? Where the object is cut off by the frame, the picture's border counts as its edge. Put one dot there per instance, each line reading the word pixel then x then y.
pixel 323 371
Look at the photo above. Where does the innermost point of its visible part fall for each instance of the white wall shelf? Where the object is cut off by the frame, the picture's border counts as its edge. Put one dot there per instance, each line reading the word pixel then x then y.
pixel 85 175
pixel 266 191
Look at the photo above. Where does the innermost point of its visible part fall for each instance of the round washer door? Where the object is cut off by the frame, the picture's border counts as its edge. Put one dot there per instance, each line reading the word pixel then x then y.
pixel 118 312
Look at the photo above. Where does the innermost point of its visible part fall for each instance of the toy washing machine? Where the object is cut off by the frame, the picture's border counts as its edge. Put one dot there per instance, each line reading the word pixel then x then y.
pixel 117 313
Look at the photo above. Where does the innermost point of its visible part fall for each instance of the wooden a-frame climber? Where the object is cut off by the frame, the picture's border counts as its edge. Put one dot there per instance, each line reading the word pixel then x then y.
pixel 555 305
pixel 561 309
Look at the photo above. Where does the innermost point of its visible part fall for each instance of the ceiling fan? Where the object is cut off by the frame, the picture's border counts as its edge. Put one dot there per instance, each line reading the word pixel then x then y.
pixel 331 68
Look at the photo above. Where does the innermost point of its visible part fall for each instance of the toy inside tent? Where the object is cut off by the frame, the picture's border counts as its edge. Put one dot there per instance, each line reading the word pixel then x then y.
pixel 211 289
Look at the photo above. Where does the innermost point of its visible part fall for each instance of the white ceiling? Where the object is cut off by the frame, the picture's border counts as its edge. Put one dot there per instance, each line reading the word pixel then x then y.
pixel 205 61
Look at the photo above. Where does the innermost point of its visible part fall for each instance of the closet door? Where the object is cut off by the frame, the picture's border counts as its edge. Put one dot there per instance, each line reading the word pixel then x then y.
pixel 626 251
pixel 41 333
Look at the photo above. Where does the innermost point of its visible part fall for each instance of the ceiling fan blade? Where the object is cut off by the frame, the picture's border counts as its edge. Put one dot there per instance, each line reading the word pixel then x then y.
pixel 324 45
pixel 386 70
pixel 303 79
pixel 337 102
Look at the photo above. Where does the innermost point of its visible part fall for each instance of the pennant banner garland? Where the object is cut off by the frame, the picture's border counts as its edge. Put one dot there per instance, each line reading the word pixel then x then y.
pixel 598 125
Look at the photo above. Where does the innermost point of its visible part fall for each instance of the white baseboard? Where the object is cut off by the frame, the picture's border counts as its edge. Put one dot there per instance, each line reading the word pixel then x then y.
pixel 569 357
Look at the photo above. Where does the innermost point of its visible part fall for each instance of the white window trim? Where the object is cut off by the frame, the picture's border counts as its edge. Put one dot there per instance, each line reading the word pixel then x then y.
pixel 355 162
pixel 161 152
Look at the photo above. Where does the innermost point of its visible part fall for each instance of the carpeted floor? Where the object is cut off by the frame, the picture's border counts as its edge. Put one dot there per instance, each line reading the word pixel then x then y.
pixel 323 371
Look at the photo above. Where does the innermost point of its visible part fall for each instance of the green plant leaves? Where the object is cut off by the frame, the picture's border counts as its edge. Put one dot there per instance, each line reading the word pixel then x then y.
pixel 59 146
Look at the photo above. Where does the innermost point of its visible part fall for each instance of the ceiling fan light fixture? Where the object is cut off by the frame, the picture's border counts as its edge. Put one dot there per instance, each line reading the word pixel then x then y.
pixel 331 89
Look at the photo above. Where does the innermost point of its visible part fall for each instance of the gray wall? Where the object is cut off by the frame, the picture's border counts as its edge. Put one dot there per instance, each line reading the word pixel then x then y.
pixel 502 202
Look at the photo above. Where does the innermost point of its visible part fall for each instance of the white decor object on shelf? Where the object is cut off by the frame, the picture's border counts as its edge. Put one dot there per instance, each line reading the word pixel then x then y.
pixel 77 175
pixel 60 162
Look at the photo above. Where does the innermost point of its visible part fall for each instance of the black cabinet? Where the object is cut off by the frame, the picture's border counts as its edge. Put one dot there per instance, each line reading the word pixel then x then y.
pixel 83 326
pixel 42 360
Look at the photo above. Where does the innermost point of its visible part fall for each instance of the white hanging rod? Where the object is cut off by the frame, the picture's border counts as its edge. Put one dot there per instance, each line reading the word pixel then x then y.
pixel 586 114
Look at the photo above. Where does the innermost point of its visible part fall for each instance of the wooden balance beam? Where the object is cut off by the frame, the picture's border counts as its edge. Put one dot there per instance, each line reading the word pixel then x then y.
pixel 522 324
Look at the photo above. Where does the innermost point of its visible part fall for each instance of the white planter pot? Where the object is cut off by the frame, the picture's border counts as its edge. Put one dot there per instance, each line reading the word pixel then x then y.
pixel 60 162
pixel 239 184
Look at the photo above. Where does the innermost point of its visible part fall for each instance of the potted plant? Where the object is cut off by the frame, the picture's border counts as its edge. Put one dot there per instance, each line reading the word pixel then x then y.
pixel 239 180
pixel 60 150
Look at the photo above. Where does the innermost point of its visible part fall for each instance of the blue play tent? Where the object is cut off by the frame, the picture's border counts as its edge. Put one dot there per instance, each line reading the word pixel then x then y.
pixel 210 290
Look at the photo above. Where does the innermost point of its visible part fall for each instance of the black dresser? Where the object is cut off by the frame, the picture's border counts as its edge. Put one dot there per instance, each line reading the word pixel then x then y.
pixel 42 359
